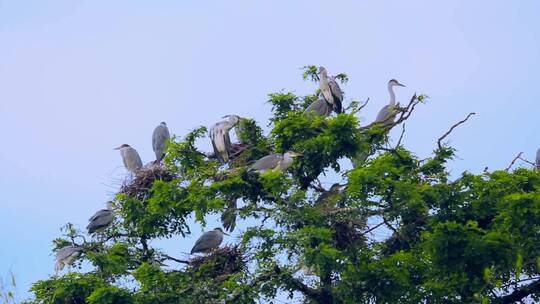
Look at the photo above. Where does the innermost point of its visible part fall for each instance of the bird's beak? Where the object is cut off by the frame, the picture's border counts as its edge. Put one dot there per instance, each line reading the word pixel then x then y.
pixel 118 148
pixel 298 154
pixel 401 85
pixel 225 233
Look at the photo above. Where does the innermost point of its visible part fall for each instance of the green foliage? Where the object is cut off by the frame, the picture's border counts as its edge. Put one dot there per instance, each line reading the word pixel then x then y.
pixel 400 229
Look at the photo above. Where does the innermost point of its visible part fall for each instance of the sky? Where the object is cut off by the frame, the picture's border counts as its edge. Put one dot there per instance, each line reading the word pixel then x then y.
pixel 78 78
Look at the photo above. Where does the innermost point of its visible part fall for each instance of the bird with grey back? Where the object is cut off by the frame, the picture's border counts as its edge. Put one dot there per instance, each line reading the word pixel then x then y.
pixel 208 241
pixel 101 219
pixel 329 197
pixel 219 135
pixel 330 90
pixel 66 256
pixel 319 107
pixel 132 160
pixel 387 114
pixel 228 217
pixel 538 159
pixel 275 161
pixel 160 139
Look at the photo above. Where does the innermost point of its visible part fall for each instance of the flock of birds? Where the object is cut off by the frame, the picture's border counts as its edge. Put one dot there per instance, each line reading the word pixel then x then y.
pixel 332 98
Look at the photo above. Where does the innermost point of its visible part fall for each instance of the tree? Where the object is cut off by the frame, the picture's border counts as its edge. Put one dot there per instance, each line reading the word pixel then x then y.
pixel 393 229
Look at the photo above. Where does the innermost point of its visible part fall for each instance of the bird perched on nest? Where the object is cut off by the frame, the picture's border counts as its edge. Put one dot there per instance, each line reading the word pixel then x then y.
pixel 319 107
pixel 219 135
pixel 387 113
pixel 275 161
pixel 208 241
pixel 160 138
pixel 330 90
pixel 101 219
pixel 66 256
pixel 132 160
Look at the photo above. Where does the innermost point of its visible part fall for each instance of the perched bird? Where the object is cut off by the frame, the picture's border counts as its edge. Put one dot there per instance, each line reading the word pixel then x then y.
pixel 274 162
pixel 209 241
pixel 160 138
pixel 101 219
pixel 330 89
pixel 228 217
pixel 387 113
pixel 219 135
pixel 131 158
pixel 319 107
pixel 66 256
pixel 329 197
pixel 538 159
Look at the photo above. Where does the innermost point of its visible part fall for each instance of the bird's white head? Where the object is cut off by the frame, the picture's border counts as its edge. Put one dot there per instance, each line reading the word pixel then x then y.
pixel 234 119
pixel 321 71
pixel 122 147
pixel 110 205
pixel 394 83
pixel 220 231
pixel 294 154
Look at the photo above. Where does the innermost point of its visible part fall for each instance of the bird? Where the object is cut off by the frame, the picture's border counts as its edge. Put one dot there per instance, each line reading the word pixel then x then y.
pixel 209 241
pixel 319 107
pixel 274 162
pixel 538 159
pixel 66 256
pixel 228 217
pixel 132 160
pixel 160 138
pixel 386 114
pixel 101 219
pixel 329 197
pixel 330 89
pixel 219 135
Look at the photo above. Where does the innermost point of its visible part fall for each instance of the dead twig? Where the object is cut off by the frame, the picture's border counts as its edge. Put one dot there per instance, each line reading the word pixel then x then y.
pixel 452 129
pixel 513 161
pixel 401 136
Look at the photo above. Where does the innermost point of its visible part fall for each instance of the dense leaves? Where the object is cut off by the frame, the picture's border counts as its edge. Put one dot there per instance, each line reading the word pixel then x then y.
pixel 393 228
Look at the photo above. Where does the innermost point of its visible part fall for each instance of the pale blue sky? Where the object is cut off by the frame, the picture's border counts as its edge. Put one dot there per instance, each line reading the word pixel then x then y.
pixel 78 78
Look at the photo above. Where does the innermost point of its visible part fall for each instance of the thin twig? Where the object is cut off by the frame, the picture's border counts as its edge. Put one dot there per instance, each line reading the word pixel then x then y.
pixel 401 136
pixel 168 257
pixel 452 128
pixel 513 161
pixel 364 105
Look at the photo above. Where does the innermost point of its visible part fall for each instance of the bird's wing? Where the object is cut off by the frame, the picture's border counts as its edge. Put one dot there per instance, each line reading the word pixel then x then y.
pixel 65 252
pixel 384 114
pixel 327 92
pixel 228 217
pixel 218 143
pixel 159 139
pixel 103 220
pixel 337 94
pixel 205 242
pixel 268 162
pixel 98 214
pixel 227 142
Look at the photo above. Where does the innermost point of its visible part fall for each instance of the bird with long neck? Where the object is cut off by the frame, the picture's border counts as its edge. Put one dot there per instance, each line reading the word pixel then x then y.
pixel 386 114
pixel 330 90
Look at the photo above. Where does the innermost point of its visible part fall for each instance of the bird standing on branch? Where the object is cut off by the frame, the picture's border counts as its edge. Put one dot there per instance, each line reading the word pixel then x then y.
pixel 387 113
pixel 219 135
pixel 132 160
pixel 160 138
pixel 330 90
pixel 275 161
pixel 209 241
pixel 319 107
pixel 101 219
pixel 66 256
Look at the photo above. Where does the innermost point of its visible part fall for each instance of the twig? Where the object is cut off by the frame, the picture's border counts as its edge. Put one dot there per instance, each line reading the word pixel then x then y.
pixel 168 257
pixel 401 136
pixel 373 228
pixel 452 128
pixel 513 161
pixel 364 105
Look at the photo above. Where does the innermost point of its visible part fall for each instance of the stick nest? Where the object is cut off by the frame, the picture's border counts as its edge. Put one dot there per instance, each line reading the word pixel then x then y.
pixel 347 231
pixel 219 263
pixel 140 185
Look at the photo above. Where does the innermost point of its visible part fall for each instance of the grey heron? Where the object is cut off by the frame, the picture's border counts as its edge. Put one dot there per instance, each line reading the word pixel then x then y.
pixel 219 135
pixel 387 113
pixel 538 159
pixel 329 197
pixel 132 160
pixel 330 89
pixel 319 107
pixel 274 162
pixel 228 217
pixel 66 256
pixel 209 241
pixel 101 219
pixel 160 138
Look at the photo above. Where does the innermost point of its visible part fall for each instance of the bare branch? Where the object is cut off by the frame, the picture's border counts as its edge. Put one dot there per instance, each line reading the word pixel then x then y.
pixel 168 257
pixel 364 105
pixel 521 293
pixel 452 129
pixel 513 161
pixel 401 136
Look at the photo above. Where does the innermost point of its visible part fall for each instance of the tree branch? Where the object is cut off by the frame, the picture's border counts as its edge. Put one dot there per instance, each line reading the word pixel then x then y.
pixel 520 293
pixel 513 161
pixel 452 129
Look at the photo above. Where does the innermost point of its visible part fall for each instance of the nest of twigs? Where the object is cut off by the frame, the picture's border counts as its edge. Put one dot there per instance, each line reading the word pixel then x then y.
pixel 348 231
pixel 220 263
pixel 140 185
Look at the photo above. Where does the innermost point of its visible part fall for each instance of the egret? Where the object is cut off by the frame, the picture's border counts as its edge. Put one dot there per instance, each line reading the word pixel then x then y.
pixel 319 107
pixel 209 241
pixel 330 89
pixel 387 113
pixel 160 138
pixel 101 219
pixel 274 162
pixel 132 160
pixel 219 135
pixel 66 256
pixel 538 159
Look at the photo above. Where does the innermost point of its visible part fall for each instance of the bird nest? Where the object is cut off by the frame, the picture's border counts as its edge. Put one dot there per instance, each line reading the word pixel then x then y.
pixel 220 263
pixel 140 185
pixel 347 231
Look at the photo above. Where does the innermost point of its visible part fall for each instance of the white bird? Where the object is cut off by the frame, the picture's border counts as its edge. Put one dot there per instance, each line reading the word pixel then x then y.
pixel 132 160
pixel 274 162
pixel 160 138
pixel 387 113
pixel 219 135
pixel 330 89
pixel 66 256
pixel 319 107
pixel 101 219
pixel 538 159
pixel 209 241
